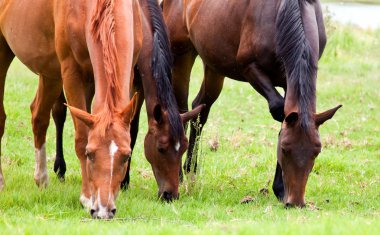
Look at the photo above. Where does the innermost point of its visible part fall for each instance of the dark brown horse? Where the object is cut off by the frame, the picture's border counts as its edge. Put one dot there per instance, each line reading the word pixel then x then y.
pixel 165 141
pixel 76 43
pixel 267 43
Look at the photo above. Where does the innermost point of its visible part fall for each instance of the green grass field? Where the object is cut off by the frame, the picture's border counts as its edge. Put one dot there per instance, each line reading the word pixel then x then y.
pixel 343 192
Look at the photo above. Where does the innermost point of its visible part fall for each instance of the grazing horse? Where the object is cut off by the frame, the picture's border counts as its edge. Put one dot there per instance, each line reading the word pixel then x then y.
pixel 75 43
pixel 266 43
pixel 165 141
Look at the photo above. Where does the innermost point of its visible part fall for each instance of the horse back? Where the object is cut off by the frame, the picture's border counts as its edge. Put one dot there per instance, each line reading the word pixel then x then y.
pixel 28 28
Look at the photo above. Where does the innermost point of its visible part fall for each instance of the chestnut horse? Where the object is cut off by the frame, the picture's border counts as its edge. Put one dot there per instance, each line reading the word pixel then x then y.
pixel 266 43
pixel 165 141
pixel 75 43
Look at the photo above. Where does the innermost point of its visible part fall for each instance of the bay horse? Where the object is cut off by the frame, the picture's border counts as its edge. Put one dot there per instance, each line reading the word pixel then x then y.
pixel 165 141
pixel 75 43
pixel 267 43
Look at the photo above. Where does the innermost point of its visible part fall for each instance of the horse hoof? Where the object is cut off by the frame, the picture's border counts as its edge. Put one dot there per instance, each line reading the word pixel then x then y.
pixel 85 202
pixel 60 169
pixel 42 180
pixel 277 111
pixel 124 186
pixel 61 178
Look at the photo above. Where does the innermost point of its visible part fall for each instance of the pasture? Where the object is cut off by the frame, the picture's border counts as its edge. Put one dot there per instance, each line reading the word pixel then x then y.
pixel 343 191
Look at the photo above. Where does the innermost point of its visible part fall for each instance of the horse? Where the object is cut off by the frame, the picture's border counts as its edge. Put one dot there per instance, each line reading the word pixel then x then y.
pixel 74 43
pixel 271 43
pixel 165 142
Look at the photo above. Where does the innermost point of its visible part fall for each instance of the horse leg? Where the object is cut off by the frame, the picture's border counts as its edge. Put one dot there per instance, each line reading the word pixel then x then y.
pixel 211 87
pixel 278 184
pixel 263 85
pixel 59 116
pixel 6 57
pixel 75 89
pixel 134 131
pixel 181 78
pixel 181 71
pixel 47 93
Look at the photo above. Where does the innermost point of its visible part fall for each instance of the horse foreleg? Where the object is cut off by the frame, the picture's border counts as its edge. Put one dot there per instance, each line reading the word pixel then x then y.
pixel 211 87
pixel 278 183
pixel 263 85
pixel 59 116
pixel 75 89
pixel 134 131
pixel 6 57
pixel 47 93
pixel 181 78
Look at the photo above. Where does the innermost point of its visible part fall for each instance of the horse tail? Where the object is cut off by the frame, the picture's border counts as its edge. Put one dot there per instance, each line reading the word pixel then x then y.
pixel 161 66
pixel 295 53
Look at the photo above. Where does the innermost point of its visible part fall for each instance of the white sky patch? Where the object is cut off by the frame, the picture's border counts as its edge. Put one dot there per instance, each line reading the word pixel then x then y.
pixel 177 146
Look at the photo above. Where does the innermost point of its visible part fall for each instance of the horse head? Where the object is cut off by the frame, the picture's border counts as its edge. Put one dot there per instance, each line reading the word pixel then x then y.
pixel 297 150
pixel 164 151
pixel 108 151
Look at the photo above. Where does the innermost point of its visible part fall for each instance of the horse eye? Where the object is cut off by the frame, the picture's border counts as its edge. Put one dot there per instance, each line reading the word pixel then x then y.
pixel 161 150
pixel 126 157
pixel 90 155
pixel 285 152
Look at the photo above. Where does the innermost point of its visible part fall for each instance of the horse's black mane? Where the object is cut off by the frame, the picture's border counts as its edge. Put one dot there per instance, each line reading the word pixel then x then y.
pixel 295 53
pixel 161 65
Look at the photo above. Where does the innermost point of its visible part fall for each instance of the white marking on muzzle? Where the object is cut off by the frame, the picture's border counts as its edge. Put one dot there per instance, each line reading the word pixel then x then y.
pixel 102 212
pixel 177 146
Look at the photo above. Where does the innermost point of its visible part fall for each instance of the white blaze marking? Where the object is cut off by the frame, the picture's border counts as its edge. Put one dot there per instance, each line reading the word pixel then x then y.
pixel 113 150
pixel 177 146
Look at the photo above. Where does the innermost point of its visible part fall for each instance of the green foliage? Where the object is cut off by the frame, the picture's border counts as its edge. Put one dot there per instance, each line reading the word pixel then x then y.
pixel 343 191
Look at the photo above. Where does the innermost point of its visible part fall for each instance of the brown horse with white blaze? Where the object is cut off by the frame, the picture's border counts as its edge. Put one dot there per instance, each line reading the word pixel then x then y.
pixel 75 43
pixel 267 43
pixel 165 141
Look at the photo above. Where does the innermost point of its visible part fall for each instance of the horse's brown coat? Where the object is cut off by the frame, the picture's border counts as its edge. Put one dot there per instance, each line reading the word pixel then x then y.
pixel 240 40
pixel 76 43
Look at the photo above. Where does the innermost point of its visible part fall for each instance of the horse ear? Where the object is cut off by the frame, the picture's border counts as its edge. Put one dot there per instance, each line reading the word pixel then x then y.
pixel 85 117
pixel 192 114
pixel 129 112
pixel 157 113
pixel 291 118
pixel 322 117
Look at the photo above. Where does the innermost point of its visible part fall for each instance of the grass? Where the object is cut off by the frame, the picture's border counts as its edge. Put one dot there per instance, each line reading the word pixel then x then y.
pixel 343 191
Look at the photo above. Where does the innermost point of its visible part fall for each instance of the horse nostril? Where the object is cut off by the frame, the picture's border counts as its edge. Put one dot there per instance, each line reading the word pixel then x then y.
pixel 289 205
pixel 92 211
pixel 167 196
pixel 113 211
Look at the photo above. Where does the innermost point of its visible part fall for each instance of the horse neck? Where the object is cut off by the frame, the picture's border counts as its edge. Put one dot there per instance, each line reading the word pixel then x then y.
pixel 292 101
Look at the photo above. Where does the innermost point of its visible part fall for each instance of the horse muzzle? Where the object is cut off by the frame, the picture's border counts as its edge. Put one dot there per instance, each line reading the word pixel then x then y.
pixel 103 213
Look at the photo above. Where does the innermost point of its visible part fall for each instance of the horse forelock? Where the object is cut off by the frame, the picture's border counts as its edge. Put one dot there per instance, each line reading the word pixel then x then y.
pixel 103 31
